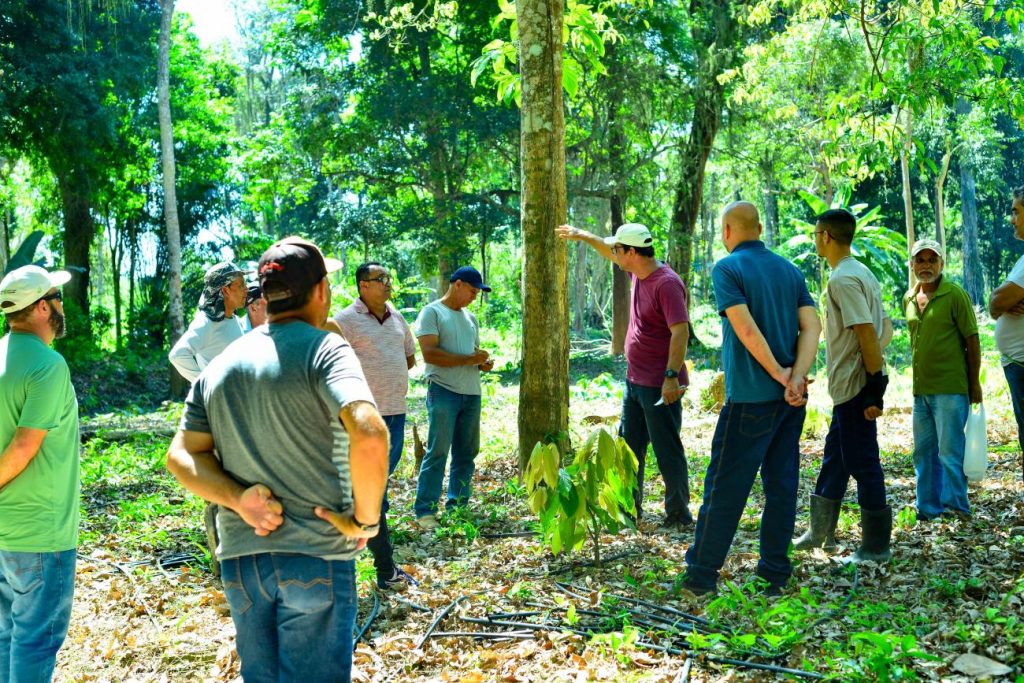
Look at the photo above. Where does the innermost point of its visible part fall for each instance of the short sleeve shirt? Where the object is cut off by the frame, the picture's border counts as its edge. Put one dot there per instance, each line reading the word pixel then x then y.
pixel 271 403
pixel 39 507
pixel 1010 326
pixel 938 337
pixel 658 302
pixel 382 347
pixel 203 341
pixel 853 297
pixel 773 289
pixel 457 332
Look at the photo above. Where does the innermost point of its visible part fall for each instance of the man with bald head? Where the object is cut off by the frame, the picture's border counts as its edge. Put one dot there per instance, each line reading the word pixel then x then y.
pixel 770 338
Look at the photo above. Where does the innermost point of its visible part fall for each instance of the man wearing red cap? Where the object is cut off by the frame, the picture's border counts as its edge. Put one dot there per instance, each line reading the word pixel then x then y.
pixel 39 481
pixel 283 434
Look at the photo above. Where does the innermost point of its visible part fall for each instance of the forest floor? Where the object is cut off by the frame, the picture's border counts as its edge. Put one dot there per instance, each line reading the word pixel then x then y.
pixel 953 588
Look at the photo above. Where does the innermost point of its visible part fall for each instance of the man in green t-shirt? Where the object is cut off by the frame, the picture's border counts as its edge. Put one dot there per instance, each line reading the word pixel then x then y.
pixel 946 359
pixel 39 481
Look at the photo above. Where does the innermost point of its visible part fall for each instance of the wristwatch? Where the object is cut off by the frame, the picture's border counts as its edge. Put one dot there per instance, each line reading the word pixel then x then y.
pixel 365 527
pixel 671 374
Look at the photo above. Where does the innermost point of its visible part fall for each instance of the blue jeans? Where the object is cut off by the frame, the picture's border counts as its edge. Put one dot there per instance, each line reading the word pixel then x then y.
pixel 294 616
pixel 851 450
pixel 454 425
pixel 380 545
pixel 643 423
pixel 36 590
pixel 749 437
pixel 939 422
pixel 1015 378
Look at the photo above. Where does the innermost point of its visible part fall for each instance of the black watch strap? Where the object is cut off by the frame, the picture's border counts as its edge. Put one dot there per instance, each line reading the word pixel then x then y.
pixel 364 527
pixel 671 374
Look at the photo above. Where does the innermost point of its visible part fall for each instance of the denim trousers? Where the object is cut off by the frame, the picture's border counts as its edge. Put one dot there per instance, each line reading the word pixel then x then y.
pixel 645 423
pixel 36 590
pixel 851 450
pixel 455 426
pixel 380 545
pixel 939 422
pixel 1015 379
pixel 749 437
pixel 294 616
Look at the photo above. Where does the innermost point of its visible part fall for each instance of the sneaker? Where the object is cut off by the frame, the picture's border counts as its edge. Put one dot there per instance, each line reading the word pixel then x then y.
pixel 398 578
pixel 677 523
pixel 427 522
pixel 696 589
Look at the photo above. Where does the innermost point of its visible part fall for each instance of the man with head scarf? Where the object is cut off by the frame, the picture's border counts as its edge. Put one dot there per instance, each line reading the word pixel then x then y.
pixel 214 325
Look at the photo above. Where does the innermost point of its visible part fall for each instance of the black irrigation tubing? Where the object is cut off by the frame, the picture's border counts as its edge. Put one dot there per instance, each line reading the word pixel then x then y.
pixel 509 534
pixel 369 620
pixel 131 580
pixel 445 612
pixel 571 589
pixel 833 613
pixel 636 617
pixel 483 635
pixel 413 605
pixel 579 565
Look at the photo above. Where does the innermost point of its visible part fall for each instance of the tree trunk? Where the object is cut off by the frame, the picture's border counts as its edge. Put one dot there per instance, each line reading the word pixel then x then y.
pixel 79 230
pixel 974 283
pixel 544 388
pixel 940 198
pixel 578 300
pixel 714 35
pixel 163 88
pixel 620 286
pixel 908 198
pixel 771 204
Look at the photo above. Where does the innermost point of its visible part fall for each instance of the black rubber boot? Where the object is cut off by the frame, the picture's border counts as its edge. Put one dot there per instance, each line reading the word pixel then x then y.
pixel 875 530
pixel 822 529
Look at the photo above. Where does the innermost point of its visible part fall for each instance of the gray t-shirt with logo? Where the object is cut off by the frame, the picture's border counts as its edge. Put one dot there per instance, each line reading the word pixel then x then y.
pixel 271 403
pixel 457 332
pixel 854 297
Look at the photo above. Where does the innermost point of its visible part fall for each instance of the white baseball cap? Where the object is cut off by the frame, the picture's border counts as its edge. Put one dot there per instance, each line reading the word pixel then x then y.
pixel 631 234
pixel 24 286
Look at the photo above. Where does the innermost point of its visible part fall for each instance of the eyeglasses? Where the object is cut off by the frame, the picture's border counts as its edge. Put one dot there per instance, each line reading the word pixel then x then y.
pixel 50 297
pixel 616 248
pixel 383 279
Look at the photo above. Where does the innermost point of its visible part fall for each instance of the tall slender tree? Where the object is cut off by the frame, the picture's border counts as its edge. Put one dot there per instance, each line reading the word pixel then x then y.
pixel 163 85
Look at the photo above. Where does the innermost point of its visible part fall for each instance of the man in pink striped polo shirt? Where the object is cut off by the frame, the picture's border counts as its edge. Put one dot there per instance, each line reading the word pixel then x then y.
pixel 385 347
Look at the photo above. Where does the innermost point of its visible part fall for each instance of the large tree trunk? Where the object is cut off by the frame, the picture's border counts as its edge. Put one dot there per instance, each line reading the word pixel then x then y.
pixel 908 197
pixel 620 286
pixel 973 281
pixel 940 196
pixel 79 230
pixel 544 388
pixel 714 33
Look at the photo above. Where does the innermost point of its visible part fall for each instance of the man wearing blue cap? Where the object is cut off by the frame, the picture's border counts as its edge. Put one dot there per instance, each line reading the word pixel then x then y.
pixel 449 339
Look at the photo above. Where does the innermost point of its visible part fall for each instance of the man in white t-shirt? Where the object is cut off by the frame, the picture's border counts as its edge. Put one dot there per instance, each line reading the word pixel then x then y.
pixel 1007 307
pixel 214 325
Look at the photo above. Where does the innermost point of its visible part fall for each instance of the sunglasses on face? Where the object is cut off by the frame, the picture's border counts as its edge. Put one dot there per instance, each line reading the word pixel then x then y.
pixel 50 297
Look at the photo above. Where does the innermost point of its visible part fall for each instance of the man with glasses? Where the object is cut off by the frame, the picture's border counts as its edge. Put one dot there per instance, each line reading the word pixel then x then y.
pixel 39 480
pixel 1007 308
pixel 449 337
pixel 856 331
pixel 214 325
pixel 656 375
pixel 284 437
pixel 384 345
pixel 946 360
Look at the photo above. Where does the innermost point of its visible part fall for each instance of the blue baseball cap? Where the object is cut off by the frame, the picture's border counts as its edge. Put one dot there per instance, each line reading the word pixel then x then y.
pixel 471 276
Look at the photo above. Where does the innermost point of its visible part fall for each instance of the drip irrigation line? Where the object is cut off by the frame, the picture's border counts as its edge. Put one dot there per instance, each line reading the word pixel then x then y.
pixel 684 674
pixel 510 534
pixel 833 613
pixel 484 635
pixel 131 580
pixel 445 612
pixel 413 605
pixel 570 589
pixel 578 565
pixel 165 562
pixel 369 620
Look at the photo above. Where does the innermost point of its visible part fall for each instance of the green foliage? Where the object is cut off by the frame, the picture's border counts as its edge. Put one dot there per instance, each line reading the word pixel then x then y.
pixel 885 656
pixel 592 495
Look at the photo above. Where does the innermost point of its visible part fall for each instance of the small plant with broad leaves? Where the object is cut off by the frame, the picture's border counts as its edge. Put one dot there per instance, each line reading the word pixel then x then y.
pixel 592 495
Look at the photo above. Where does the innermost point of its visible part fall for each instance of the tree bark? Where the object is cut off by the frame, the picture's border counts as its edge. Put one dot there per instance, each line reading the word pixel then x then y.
pixel 620 286
pixel 974 283
pixel 714 33
pixel 79 230
pixel 544 388
pixel 908 198
pixel 771 204
pixel 940 198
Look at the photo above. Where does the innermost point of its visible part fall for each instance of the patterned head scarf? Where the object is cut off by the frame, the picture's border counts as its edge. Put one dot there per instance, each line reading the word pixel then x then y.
pixel 217 277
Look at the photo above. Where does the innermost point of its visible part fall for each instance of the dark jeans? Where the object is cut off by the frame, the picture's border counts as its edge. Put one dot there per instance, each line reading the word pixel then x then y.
pixel 380 545
pixel 643 423
pixel 455 426
pixel 749 437
pixel 294 616
pixel 1015 378
pixel 851 450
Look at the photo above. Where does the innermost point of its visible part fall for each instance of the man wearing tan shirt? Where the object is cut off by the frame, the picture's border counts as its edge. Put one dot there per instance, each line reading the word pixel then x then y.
pixel 384 345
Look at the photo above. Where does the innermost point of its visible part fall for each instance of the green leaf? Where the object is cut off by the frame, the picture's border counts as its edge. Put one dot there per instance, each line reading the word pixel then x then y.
pixel 570 76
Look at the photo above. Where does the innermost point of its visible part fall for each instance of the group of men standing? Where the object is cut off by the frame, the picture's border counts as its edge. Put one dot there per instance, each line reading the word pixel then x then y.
pixel 292 430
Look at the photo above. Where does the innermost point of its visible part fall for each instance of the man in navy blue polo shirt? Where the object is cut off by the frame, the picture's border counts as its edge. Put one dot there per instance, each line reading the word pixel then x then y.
pixel 770 338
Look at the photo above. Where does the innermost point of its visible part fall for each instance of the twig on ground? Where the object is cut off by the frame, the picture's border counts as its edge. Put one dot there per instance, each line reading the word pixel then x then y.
pixel 131 580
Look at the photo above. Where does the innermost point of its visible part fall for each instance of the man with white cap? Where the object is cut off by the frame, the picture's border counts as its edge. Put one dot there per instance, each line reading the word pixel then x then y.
pixel 656 376
pixel 946 361
pixel 214 325
pixel 283 435
pixel 39 480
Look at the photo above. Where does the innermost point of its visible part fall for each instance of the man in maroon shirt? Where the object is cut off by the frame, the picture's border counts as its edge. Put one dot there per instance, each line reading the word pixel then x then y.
pixel 655 372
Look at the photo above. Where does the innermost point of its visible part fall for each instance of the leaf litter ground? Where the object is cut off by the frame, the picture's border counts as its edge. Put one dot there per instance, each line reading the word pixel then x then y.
pixel 949 601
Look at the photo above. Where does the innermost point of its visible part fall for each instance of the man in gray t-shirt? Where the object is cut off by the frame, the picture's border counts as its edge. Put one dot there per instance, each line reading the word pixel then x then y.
pixel 856 331
pixel 283 435
pixel 450 342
